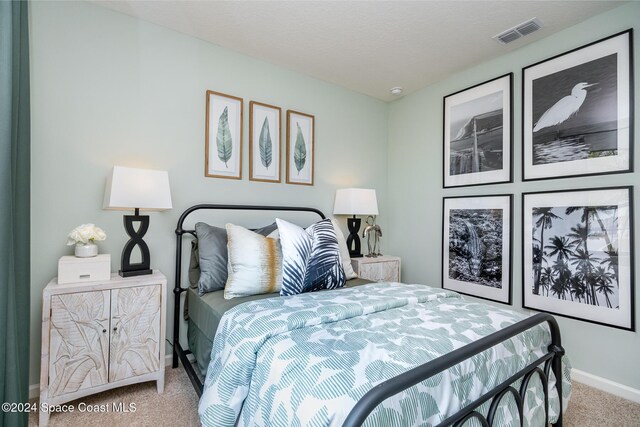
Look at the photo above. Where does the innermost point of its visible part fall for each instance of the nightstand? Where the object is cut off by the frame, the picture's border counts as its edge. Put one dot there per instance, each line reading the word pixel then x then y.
pixel 100 335
pixel 385 268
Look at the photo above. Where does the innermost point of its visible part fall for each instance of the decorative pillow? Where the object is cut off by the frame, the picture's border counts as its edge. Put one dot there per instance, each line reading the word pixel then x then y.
pixel 212 256
pixel 255 263
pixel 310 258
pixel 344 252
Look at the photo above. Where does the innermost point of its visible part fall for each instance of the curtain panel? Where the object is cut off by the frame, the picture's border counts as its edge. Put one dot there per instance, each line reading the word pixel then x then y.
pixel 14 209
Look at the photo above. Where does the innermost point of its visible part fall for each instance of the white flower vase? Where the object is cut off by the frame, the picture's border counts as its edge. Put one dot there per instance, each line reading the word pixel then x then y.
pixel 86 250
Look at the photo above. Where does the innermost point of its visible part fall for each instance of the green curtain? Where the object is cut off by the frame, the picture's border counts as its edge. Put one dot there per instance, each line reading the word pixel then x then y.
pixel 14 208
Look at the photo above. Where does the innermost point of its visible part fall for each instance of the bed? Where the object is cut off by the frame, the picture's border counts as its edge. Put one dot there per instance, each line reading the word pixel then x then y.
pixel 304 359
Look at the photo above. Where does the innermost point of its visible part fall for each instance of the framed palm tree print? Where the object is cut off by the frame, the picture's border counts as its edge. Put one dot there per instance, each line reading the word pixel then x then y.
pixel 300 148
pixel 577 111
pixel 264 142
pixel 477 134
pixel 577 254
pixel 223 136
pixel 476 246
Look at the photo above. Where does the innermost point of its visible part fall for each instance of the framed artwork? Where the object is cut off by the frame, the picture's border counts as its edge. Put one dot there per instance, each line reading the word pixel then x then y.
pixel 477 129
pixel 300 140
pixel 578 254
pixel 264 142
pixel 476 246
pixel 577 112
pixel 223 136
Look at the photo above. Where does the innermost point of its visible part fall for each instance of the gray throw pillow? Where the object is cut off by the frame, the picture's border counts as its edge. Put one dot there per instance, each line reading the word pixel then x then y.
pixel 211 253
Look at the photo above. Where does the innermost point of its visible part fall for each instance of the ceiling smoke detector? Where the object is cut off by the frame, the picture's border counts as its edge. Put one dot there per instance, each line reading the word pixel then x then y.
pixel 397 91
pixel 520 30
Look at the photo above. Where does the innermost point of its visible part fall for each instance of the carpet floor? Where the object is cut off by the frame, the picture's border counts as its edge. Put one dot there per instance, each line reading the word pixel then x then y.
pixel 178 406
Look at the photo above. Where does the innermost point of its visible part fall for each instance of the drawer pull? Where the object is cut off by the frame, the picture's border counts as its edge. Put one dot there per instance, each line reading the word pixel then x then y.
pixel 104 331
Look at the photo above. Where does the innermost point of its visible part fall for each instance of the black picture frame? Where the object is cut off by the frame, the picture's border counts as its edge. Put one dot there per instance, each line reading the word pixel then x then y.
pixel 472 157
pixel 477 238
pixel 583 268
pixel 577 111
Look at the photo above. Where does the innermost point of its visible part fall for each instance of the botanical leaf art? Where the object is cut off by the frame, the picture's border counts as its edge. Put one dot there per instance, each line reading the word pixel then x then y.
pixel 223 139
pixel 300 151
pixel 265 145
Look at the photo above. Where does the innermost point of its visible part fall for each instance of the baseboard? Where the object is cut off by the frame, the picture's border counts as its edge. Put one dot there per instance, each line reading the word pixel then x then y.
pixel 606 385
pixel 34 389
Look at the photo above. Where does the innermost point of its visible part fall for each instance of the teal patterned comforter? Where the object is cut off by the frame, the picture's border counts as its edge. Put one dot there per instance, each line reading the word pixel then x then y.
pixel 305 360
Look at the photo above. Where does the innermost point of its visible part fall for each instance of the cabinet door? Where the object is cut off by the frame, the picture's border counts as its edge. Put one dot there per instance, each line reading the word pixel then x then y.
pixel 135 332
pixel 79 341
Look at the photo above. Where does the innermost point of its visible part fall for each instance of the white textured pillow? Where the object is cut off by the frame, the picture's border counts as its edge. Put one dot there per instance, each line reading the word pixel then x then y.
pixel 344 252
pixel 255 263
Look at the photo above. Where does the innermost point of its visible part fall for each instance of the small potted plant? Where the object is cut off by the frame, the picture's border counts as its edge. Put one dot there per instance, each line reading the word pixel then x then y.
pixel 84 237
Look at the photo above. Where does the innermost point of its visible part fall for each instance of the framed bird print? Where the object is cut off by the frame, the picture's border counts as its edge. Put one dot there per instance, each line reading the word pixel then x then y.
pixel 223 136
pixel 577 112
pixel 477 133
pixel 300 141
pixel 476 246
pixel 264 142
pixel 577 256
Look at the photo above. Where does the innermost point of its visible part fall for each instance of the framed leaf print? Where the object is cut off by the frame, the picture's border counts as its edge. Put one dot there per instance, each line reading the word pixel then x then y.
pixel 577 112
pixel 264 142
pixel 223 136
pixel 477 132
pixel 300 140
pixel 578 256
pixel 476 246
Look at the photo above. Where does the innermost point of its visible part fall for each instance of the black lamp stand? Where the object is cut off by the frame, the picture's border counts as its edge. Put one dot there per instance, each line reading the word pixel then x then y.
pixel 353 224
pixel 141 268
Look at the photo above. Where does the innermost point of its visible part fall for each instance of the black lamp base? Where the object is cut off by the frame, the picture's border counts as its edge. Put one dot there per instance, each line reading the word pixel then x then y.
pixel 129 269
pixel 353 241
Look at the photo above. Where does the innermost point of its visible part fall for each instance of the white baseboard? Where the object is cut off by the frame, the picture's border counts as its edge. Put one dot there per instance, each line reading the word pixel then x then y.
pixel 606 385
pixel 34 389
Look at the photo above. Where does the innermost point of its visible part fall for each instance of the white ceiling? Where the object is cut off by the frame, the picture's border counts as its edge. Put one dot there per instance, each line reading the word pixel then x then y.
pixel 366 46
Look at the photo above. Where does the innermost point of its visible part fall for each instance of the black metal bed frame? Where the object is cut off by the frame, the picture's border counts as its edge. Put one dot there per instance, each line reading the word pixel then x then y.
pixel 552 360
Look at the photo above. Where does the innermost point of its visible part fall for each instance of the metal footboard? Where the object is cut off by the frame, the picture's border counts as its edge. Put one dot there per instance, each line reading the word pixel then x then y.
pixel 551 360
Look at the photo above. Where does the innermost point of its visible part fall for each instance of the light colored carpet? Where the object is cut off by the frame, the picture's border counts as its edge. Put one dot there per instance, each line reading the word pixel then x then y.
pixel 588 407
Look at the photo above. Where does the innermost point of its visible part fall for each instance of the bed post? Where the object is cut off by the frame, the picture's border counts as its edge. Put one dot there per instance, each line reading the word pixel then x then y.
pixel 177 290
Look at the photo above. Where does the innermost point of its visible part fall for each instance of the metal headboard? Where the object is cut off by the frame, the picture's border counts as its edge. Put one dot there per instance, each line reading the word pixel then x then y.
pixel 178 352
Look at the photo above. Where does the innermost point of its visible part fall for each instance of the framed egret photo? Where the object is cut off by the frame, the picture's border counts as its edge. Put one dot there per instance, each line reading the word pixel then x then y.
pixel 223 136
pixel 577 112
pixel 578 254
pixel 477 134
pixel 300 141
pixel 264 142
pixel 476 246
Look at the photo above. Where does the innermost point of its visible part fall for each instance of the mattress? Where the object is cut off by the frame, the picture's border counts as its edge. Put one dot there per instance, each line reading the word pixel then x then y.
pixel 203 314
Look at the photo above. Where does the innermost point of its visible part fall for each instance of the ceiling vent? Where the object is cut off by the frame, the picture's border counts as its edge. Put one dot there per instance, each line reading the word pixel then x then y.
pixel 518 31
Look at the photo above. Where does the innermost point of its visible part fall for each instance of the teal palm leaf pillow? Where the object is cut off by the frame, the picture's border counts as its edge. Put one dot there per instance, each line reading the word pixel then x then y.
pixel 310 258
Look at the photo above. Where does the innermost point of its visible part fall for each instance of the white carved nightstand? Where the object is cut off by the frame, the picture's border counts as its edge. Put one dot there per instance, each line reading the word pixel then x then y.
pixel 385 268
pixel 101 335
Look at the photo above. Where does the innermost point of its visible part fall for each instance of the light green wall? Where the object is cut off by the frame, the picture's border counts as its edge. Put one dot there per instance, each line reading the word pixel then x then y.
pixel 108 89
pixel 414 202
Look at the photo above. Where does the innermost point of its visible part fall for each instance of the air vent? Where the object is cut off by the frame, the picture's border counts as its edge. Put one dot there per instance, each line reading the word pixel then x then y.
pixel 518 31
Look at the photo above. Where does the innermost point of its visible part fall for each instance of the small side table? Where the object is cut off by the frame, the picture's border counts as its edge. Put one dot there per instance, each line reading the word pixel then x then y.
pixel 101 335
pixel 385 268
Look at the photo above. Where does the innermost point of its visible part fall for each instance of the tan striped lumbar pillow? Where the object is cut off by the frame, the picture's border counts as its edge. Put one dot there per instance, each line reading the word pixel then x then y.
pixel 254 263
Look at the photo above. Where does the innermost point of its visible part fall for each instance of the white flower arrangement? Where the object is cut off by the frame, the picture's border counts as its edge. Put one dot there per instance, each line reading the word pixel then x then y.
pixel 85 233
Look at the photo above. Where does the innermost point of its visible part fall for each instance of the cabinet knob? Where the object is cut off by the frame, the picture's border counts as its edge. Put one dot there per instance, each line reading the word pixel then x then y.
pixel 115 329
pixel 104 331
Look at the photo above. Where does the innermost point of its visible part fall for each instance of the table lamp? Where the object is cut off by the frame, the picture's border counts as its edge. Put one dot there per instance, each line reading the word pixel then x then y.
pixel 137 189
pixel 355 201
